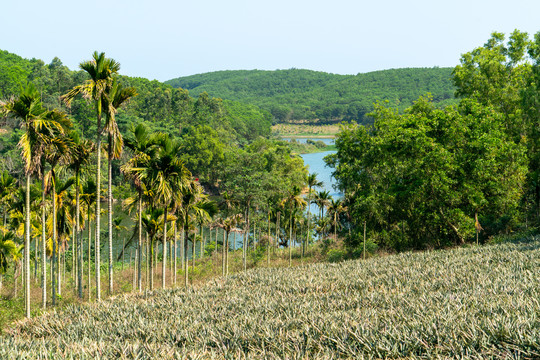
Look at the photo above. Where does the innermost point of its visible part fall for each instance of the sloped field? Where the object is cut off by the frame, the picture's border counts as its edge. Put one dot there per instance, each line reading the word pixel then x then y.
pixel 478 302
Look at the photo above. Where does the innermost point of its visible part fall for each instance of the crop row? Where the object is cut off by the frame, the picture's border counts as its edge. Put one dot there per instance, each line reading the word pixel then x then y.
pixel 477 302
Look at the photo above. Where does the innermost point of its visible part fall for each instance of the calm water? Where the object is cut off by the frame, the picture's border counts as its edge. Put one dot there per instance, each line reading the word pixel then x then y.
pixel 317 165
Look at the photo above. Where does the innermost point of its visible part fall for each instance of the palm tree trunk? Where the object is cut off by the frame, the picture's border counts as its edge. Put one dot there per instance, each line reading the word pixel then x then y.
pixel 53 259
pixel 164 264
pixel 175 250
pixel 110 211
pixel 43 245
pixel 186 262
pixel 139 244
pixel 227 256
pixel 78 236
pixel 268 245
pixel 290 237
pixel 98 204
pixel 27 248
pixel 223 254
pixel 89 255
pixel 151 267
pixel 182 249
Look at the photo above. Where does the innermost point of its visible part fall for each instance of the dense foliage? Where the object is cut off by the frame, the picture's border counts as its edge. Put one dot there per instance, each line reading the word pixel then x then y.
pixel 477 302
pixel 309 95
pixel 432 177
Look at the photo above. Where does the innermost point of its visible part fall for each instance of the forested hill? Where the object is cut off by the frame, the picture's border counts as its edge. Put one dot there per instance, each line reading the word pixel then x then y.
pixel 159 105
pixel 295 94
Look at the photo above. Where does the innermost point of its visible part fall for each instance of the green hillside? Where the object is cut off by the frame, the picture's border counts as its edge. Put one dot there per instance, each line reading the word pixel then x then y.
pixel 295 94
pixel 160 105
pixel 476 302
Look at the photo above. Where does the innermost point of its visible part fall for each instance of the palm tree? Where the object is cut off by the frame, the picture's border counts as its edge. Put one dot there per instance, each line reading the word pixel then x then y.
pixel 39 125
pixel 168 177
pixel 151 223
pixel 335 208
pixel 117 96
pixel 312 183
pixel 58 151
pixel 144 147
pixel 322 199
pixel 295 200
pixel 88 196
pixel 101 71
pixel 82 149
pixel 228 225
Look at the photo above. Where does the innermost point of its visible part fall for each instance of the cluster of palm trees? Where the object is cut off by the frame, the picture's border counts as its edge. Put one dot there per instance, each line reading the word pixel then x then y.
pixel 56 155
pixel 62 195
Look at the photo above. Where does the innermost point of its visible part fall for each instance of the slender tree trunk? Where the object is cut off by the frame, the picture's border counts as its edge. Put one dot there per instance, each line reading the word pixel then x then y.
pixel 151 264
pixel 193 247
pixel 201 254
pixel 27 248
pixel 139 244
pixel 164 264
pixel 53 259
pixel 277 229
pixel 43 244
pixel 269 242
pixel 110 211
pixel 223 254
pixel 78 235
pixel 175 250
pixel 182 249
pixel 186 262
pixel 364 240
pixel 89 256
pixel 97 247
pixel 227 256
pixel 290 238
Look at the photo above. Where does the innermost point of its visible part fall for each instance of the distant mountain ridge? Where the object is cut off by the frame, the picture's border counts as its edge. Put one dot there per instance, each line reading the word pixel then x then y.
pixel 297 94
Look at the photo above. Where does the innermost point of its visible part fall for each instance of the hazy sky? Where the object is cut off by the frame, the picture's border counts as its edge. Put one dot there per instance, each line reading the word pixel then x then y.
pixel 164 39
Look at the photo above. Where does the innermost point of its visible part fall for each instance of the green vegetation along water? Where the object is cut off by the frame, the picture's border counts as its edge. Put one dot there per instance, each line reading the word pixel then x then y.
pixel 475 302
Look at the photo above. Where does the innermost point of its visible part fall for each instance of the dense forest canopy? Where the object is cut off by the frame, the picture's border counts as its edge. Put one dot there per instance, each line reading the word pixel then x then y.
pixel 295 95
pixel 432 177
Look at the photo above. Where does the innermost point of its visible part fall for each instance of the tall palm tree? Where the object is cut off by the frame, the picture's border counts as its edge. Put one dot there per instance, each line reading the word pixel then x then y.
pixel 295 201
pixel 39 125
pixel 88 196
pixel 144 147
pixel 228 225
pixel 100 70
pixel 322 199
pixel 335 208
pixel 82 150
pixel 312 183
pixel 58 151
pixel 117 95
pixel 168 176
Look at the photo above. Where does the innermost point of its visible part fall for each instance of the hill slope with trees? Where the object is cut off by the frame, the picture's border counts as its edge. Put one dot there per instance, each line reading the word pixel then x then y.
pixel 294 94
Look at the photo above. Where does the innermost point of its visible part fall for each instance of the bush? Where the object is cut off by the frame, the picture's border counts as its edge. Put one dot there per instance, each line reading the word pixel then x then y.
pixel 335 255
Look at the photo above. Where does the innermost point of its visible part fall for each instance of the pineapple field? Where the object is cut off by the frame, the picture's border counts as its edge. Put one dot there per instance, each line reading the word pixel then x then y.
pixel 472 302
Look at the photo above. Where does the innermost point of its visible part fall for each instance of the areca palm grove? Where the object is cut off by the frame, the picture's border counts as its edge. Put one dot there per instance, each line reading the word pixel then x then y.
pixel 167 192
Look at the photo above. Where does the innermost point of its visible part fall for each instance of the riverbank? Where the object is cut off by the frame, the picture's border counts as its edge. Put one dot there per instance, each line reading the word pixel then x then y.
pixel 305 131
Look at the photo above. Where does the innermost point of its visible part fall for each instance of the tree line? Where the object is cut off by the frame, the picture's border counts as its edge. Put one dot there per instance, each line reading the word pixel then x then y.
pixel 433 177
pixel 302 95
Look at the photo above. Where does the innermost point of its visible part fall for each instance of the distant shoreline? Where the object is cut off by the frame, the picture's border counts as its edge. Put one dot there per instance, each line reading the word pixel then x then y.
pixel 315 136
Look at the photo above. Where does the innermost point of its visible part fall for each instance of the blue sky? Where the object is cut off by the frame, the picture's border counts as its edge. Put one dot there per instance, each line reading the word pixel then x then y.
pixel 164 39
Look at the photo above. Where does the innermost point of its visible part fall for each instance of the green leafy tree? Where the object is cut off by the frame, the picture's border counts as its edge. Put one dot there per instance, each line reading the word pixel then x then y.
pixel 100 70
